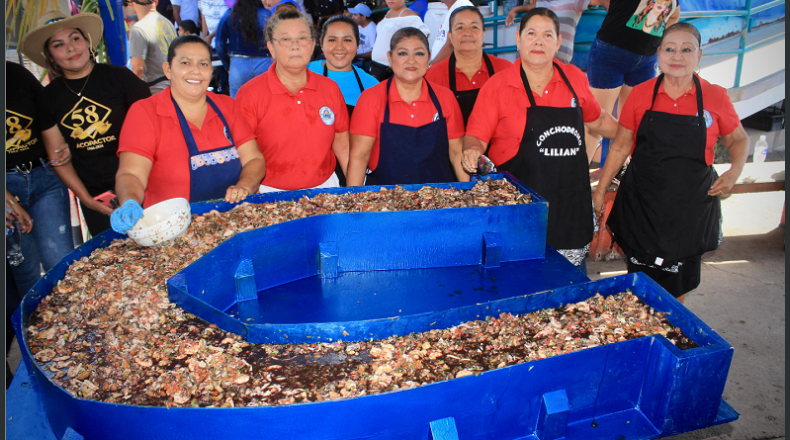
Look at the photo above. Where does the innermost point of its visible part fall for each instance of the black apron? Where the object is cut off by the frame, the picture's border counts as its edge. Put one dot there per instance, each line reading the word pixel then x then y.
pixel 552 160
pixel 211 172
pixel 662 213
pixel 338 169
pixel 466 99
pixel 413 155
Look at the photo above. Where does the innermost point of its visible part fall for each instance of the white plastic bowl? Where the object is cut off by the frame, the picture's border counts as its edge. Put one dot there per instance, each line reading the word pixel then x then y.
pixel 162 222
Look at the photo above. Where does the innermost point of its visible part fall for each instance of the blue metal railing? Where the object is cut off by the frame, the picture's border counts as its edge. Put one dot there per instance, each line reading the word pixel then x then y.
pixel 745 14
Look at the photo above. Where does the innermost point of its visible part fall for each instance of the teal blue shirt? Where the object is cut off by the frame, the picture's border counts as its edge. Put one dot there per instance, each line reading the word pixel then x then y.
pixel 346 81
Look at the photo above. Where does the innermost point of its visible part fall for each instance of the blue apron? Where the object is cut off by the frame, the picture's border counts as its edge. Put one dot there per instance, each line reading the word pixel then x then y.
pixel 211 172
pixel 413 155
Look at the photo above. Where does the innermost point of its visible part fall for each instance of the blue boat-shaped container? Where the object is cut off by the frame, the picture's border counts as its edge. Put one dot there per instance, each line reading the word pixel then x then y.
pixel 638 389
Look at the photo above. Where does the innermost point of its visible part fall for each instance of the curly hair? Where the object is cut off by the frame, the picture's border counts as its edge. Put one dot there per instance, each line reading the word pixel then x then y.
pixel 244 17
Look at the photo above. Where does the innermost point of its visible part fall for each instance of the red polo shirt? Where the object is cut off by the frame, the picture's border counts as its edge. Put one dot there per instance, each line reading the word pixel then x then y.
pixel 500 113
pixel 439 74
pixel 720 120
pixel 151 129
pixel 295 131
pixel 369 113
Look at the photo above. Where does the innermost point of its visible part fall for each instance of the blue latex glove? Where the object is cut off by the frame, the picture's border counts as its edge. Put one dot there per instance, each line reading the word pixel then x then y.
pixel 125 217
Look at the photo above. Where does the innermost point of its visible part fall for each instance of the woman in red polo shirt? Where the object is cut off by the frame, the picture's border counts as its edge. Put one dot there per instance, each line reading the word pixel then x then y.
pixel 184 142
pixel 531 121
pixel 667 211
pixel 404 130
pixel 299 117
pixel 470 66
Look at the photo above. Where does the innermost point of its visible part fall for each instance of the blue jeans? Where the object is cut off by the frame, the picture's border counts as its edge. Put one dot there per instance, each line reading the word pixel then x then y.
pixel 243 69
pixel 46 199
pixel 610 67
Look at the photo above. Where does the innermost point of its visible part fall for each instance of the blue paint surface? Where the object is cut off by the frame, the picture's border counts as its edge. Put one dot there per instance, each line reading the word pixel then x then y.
pixel 497 404
pixel 639 389
pixel 356 276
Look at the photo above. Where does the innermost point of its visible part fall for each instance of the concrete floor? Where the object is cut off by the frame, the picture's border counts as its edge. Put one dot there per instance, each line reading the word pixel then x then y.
pixel 742 296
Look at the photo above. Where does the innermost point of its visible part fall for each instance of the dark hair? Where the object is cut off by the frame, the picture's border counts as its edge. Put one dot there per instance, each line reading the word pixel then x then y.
pixel 185 39
pixel 408 32
pixel 683 27
pixel 543 12
pixel 289 14
pixel 285 6
pixel 53 66
pixel 341 19
pixel 189 26
pixel 244 18
pixel 466 8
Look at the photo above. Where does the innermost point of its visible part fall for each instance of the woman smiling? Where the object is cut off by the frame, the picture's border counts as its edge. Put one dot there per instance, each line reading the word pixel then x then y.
pixel 667 211
pixel 531 120
pixel 339 43
pixel 185 142
pixel 405 130
pixel 299 117
pixel 82 109
pixel 467 68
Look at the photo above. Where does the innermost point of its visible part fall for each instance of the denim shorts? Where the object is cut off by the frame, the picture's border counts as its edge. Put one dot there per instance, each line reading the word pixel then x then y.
pixel 610 67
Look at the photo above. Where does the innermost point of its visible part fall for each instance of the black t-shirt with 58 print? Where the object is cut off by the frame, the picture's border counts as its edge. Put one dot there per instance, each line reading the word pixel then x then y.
pixel 23 142
pixel 91 123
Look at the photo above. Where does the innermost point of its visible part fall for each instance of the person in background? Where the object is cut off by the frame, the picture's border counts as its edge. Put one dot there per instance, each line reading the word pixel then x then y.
pixel 211 12
pixel 299 117
pixel 34 193
pixel 530 120
pixel 468 68
pixel 149 39
pixel 328 8
pixel 404 130
pixel 165 8
pixel 83 107
pixel 186 10
pixel 442 46
pixel 569 12
pixel 667 210
pixel 398 17
pixel 339 43
pixel 241 44
pixel 188 27
pixel 367 30
pixel 623 53
pixel 185 142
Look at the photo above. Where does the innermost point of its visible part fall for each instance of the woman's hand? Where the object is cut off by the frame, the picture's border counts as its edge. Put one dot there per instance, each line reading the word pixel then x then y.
pixel 723 185
pixel 97 206
pixel 511 17
pixel 236 194
pixel 125 217
pixel 61 156
pixel 14 211
pixel 598 205
pixel 470 159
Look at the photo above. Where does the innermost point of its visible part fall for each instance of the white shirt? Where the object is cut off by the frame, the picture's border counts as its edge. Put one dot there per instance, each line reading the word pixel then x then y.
pixel 189 10
pixel 441 35
pixel 367 36
pixel 386 28
pixel 212 10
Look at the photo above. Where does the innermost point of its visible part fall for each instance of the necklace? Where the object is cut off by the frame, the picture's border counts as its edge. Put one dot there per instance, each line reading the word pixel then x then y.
pixel 83 85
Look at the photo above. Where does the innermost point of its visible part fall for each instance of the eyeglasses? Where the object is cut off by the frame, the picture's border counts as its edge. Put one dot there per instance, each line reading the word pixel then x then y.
pixel 288 41
pixel 685 51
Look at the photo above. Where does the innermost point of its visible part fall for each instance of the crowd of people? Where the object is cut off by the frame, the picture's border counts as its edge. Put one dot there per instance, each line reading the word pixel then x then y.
pixel 292 122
